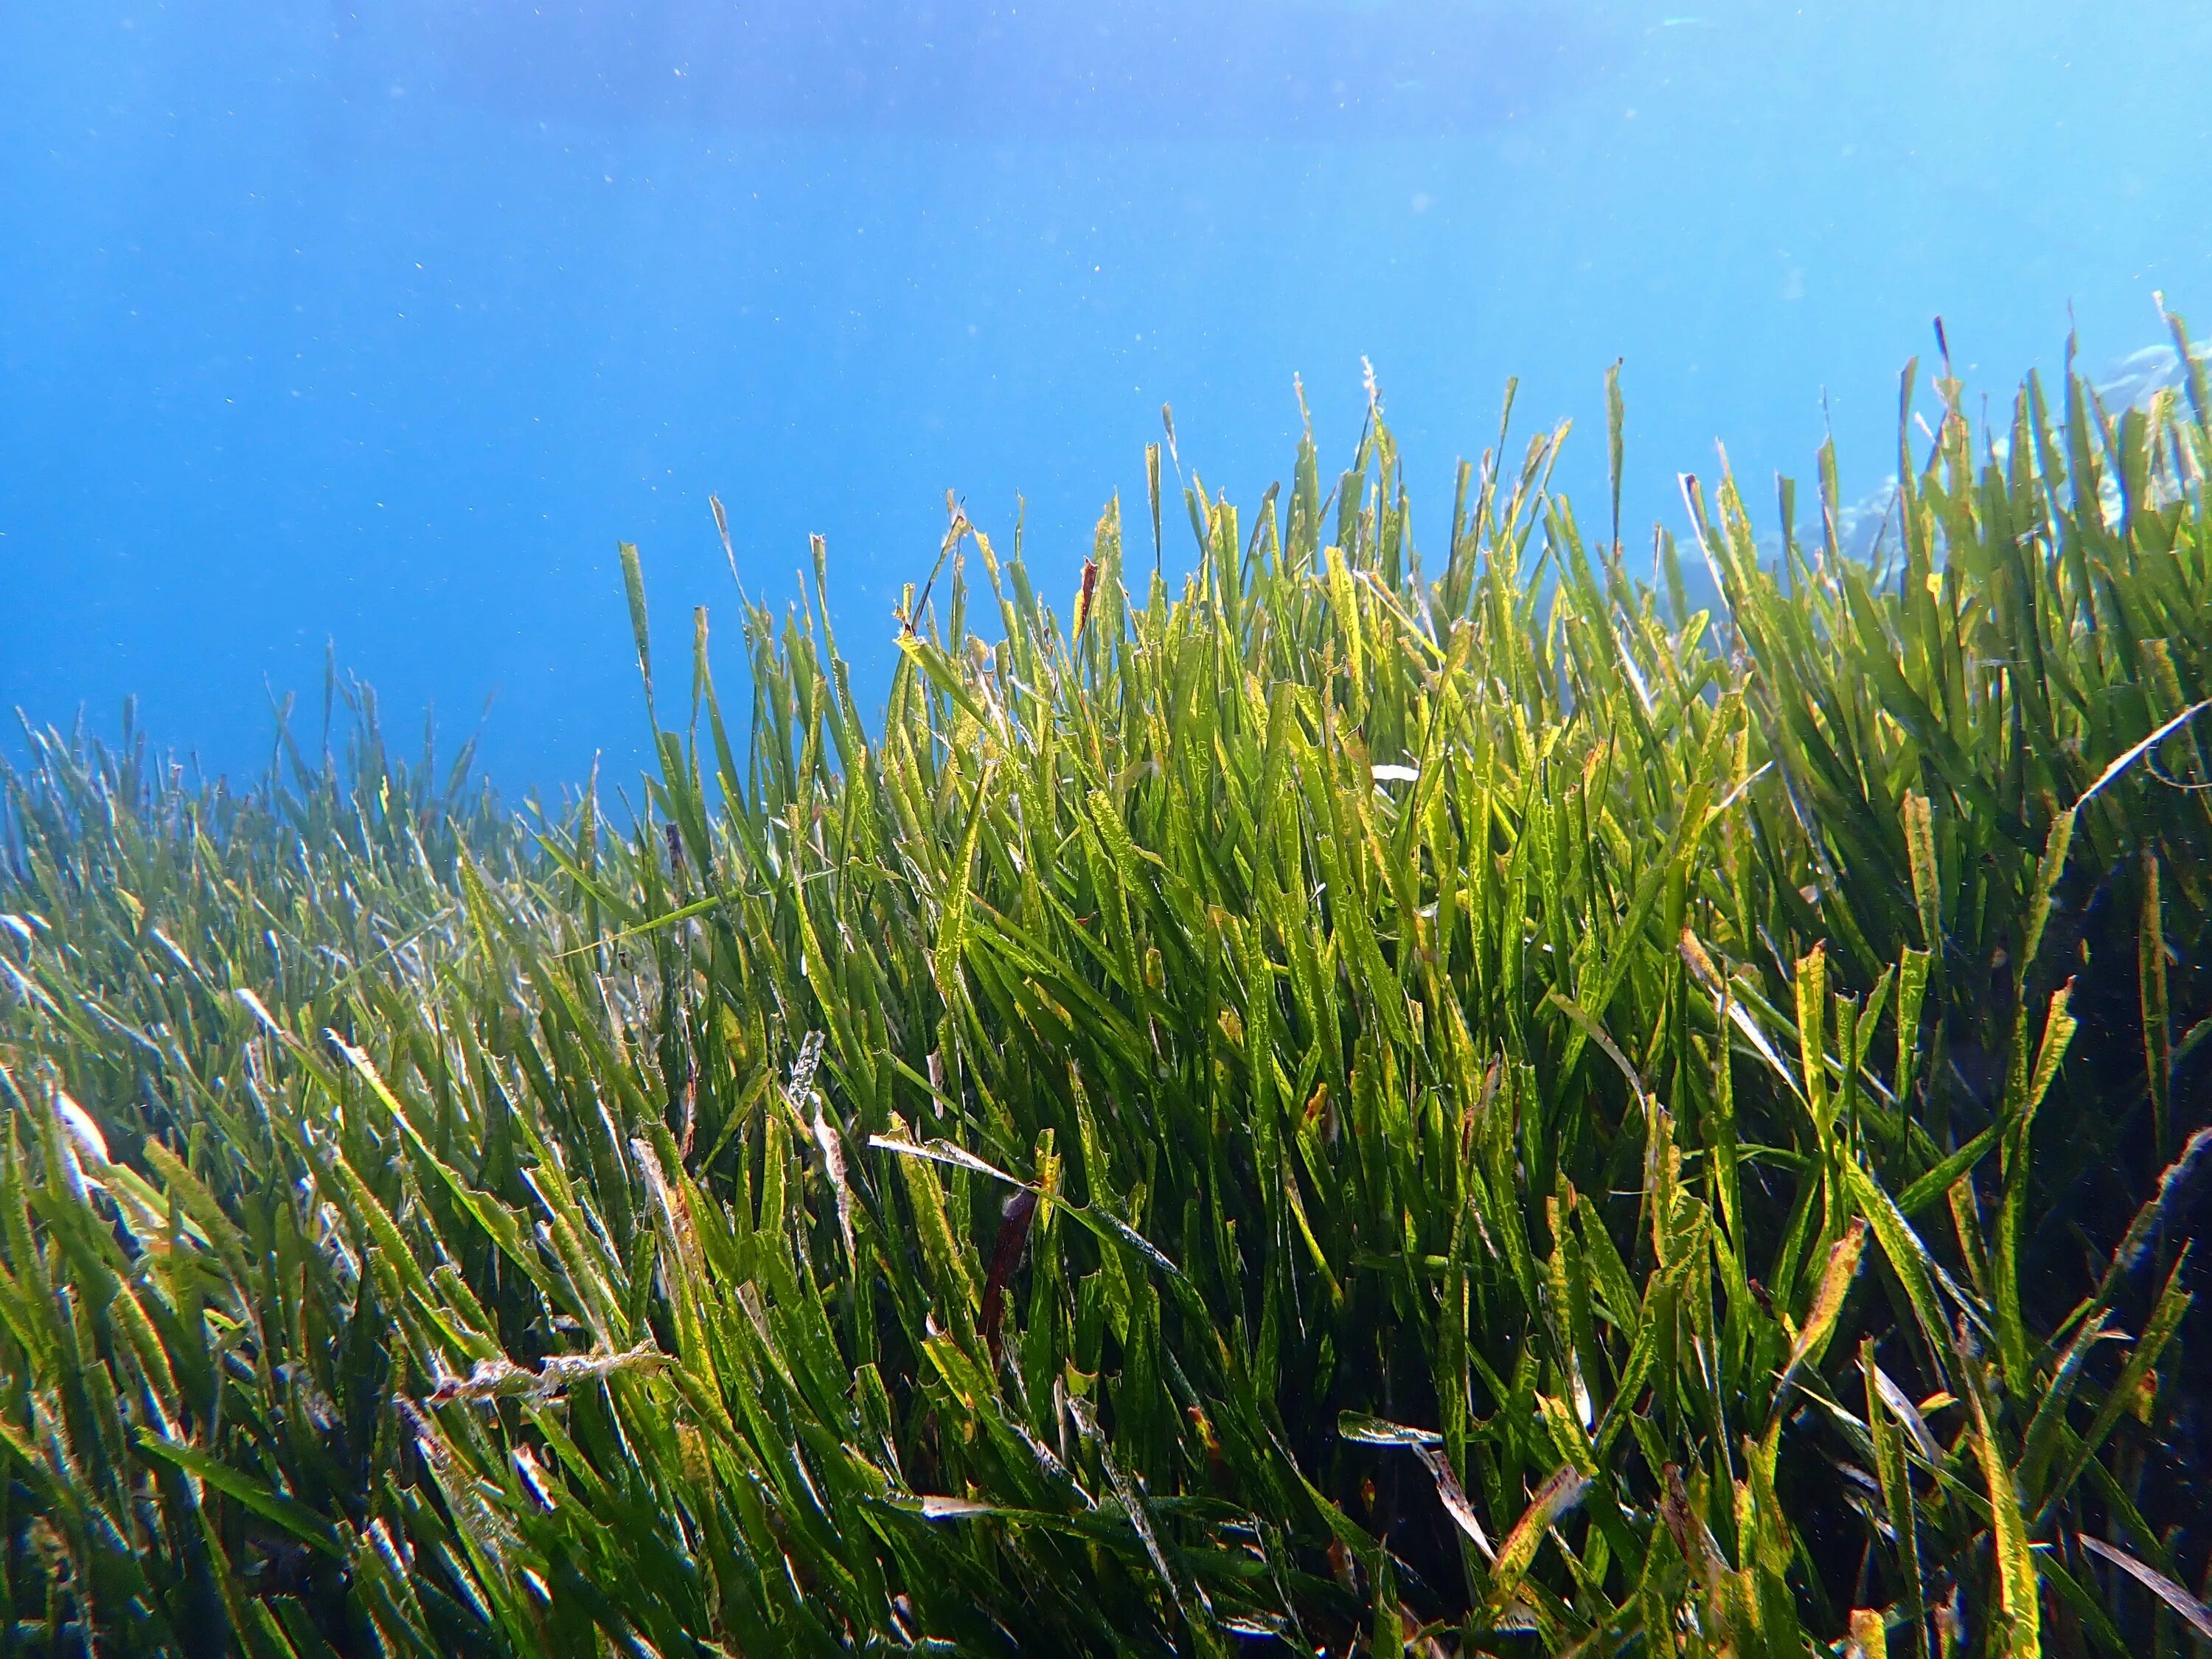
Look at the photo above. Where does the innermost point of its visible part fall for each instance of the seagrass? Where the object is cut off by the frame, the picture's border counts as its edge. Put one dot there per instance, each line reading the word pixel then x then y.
pixel 1347 1102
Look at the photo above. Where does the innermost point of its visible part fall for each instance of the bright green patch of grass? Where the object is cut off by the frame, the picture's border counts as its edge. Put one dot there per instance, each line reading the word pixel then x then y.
pixel 1477 1111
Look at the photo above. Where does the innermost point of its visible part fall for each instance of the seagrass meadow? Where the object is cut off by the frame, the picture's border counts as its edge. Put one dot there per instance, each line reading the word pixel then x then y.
pixel 1330 1106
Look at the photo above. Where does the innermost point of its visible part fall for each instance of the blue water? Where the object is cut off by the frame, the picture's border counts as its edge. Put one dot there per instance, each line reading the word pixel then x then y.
pixel 383 324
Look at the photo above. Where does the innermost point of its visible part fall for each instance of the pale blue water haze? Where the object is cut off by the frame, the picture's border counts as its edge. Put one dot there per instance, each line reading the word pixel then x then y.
pixel 382 324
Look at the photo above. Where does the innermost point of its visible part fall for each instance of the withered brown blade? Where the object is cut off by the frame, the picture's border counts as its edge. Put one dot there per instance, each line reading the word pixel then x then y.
pixel 1006 1256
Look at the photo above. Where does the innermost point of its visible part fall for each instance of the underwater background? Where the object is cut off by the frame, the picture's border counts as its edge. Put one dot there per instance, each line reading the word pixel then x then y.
pixel 379 324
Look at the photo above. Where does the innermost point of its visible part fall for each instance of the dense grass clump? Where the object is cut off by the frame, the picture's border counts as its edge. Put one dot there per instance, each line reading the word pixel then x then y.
pixel 1325 1109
